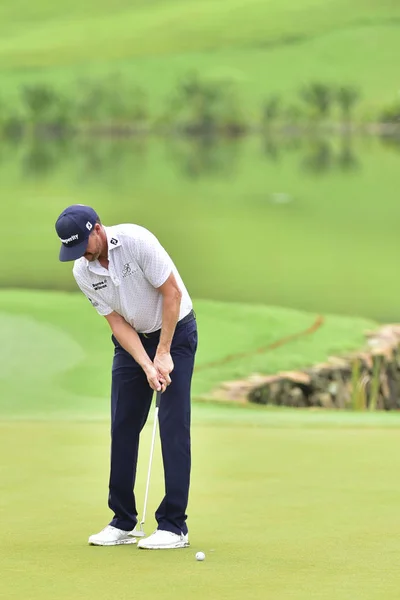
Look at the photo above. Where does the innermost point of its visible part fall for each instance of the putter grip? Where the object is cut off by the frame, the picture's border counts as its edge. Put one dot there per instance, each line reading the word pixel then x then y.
pixel 158 399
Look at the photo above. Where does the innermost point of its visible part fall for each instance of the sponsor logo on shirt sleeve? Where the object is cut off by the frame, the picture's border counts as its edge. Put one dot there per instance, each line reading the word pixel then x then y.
pixel 99 285
pixel 93 302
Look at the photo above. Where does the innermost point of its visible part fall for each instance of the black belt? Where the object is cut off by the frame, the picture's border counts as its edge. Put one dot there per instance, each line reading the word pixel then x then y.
pixel 189 317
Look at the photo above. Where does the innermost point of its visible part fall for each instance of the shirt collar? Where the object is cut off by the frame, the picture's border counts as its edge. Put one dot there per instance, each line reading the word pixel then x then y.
pixel 113 240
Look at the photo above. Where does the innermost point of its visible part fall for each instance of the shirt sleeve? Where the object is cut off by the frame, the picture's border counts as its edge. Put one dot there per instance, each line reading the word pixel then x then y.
pixel 91 295
pixel 151 257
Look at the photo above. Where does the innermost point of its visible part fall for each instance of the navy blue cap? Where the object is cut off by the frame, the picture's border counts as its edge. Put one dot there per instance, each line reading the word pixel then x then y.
pixel 73 227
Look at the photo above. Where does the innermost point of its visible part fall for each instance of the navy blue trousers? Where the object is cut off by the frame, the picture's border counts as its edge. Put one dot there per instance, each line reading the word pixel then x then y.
pixel 131 398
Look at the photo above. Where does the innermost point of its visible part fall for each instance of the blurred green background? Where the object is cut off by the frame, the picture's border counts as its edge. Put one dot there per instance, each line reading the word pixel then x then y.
pixel 312 226
pixel 303 221
pixel 259 141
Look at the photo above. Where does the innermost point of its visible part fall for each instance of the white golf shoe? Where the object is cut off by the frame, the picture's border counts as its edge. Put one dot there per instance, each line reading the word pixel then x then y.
pixel 111 536
pixel 164 540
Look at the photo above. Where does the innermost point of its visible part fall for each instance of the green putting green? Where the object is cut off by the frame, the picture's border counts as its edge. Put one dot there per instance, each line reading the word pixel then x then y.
pixel 284 503
pixel 280 511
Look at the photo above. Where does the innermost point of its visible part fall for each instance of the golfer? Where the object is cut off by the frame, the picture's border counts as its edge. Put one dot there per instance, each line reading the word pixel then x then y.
pixel 130 280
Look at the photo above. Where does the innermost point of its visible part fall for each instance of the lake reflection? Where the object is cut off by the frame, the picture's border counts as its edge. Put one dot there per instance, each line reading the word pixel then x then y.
pixel 308 223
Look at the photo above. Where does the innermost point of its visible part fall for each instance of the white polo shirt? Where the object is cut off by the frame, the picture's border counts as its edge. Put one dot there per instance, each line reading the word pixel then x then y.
pixel 138 264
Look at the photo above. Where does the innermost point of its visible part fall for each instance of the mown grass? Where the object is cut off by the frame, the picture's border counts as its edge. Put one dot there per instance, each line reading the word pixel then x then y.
pixel 284 512
pixel 263 47
pixel 288 503
pixel 70 32
pixel 58 354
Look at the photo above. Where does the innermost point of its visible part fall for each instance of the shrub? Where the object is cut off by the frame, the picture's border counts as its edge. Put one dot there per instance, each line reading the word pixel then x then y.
pixel 205 107
pixel 110 100
pixel 347 97
pixel 391 114
pixel 272 108
pixel 46 108
pixel 319 97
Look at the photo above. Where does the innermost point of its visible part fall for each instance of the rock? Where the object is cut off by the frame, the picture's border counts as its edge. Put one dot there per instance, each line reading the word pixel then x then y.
pixel 361 380
pixel 323 399
pixel 296 397
pixel 296 376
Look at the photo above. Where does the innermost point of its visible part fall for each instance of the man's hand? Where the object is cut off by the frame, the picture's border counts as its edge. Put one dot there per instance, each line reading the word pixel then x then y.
pixel 164 366
pixel 156 381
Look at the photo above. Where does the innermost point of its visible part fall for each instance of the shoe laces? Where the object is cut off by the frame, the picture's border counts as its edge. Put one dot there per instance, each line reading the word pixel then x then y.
pixel 164 531
pixel 108 529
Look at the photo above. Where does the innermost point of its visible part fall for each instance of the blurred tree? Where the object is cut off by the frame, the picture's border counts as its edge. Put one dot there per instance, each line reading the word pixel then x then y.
pixel 391 114
pixel 204 156
pixel 11 121
pixel 346 159
pixel 272 149
pixel 202 106
pixel 111 101
pixel 347 97
pixel 45 108
pixel 319 97
pixel 271 110
pixel 13 127
pixel 293 114
pixel 42 157
pixel 319 160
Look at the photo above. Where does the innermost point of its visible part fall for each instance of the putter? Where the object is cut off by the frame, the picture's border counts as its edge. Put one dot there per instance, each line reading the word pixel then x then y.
pixel 139 532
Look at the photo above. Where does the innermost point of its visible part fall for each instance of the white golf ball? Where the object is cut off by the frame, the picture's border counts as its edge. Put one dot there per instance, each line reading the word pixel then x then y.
pixel 200 556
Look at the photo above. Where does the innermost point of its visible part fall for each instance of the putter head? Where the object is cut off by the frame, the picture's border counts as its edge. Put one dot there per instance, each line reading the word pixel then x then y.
pixel 138 532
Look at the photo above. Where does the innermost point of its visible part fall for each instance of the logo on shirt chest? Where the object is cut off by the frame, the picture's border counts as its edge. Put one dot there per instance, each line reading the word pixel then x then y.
pixel 128 269
pixel 99 285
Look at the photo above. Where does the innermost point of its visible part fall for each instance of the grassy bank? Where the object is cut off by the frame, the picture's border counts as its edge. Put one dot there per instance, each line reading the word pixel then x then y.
pixel 263 48
pixel 58 355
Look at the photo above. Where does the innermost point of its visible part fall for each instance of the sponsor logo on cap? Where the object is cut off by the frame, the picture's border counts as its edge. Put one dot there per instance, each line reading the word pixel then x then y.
pixel 70 239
